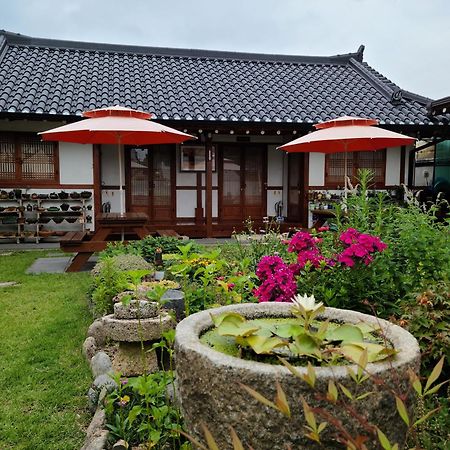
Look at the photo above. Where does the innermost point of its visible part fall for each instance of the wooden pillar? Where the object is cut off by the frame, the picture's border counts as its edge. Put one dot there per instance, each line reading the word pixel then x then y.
pixel 199 216
pixel 97 182
pixel 208 185
pixel 402 164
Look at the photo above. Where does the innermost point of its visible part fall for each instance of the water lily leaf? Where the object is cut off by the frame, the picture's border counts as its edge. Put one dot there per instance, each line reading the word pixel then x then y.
pixel 367 328
pixel 264 344
pixel 241 330
pixel 305 345
pixel 229 317
pixel 375 352
pixel 289 330
pixel 346 333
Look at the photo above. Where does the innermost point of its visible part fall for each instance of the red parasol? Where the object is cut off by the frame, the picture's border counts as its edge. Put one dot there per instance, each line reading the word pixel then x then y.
pixel 347 134
pixel 116 125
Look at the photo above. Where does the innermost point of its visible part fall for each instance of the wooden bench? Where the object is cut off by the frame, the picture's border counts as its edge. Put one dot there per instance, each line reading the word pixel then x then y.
pixel 80 243
pixel 73 238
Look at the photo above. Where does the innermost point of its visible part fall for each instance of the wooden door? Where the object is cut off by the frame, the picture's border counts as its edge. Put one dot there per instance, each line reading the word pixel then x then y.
pixel 297 208
pixel 242 182
pixel 151 177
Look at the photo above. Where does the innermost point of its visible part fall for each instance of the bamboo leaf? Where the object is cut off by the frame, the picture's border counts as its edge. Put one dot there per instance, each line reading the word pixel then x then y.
pixel 311 374
pixel 259 397
pixel 426 416
pixel 332 393
pixel 384 441
pixel 346 392
pixel 281 401
pixel 435 373
pixel 321 427
pixel 309 415
pixel 237 444
pixel 212 444
pixel 362 396
pixel 415 382
pixel 401 408
pixel 435 388
pixel 193 441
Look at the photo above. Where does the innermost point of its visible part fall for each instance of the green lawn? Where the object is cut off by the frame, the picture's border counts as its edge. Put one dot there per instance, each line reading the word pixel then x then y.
pixel 43 375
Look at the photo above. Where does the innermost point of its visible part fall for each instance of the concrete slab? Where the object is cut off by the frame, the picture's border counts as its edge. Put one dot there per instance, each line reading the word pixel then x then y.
pixel 57 265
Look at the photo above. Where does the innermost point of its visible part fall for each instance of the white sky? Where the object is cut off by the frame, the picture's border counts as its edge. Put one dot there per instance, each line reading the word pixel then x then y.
pixel 408 41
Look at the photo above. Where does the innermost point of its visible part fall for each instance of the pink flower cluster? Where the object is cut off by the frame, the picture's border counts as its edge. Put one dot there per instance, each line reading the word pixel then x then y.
pixel 277 280
pixel 359 247
pixel 307 251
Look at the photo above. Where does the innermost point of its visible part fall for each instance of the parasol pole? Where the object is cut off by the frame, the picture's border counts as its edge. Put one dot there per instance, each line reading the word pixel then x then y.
pixel 119 153
pixel 345 174
pixel 122 202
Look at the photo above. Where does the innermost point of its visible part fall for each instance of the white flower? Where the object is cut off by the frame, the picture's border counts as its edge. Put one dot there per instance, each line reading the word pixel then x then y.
pixel 303 302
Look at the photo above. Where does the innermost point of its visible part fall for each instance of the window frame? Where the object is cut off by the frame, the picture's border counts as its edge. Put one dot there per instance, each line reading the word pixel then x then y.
pixel 355 166
pixel 20 139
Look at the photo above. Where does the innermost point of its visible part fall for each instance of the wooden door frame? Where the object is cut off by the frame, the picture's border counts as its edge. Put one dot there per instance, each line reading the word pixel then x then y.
pixel 304 187
pixel 242 146
pixel 173 181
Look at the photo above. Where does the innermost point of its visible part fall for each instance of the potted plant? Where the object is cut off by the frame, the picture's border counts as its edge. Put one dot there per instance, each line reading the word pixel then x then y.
pixel 214 386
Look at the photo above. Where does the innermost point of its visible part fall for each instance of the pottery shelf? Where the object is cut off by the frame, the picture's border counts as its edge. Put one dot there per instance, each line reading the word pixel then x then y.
pixel 23 219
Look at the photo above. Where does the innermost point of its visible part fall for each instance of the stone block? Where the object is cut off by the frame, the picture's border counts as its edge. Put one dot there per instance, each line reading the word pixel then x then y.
pixel 128 360
pixel 101 364
pixel 136 309
pixel 132 330
pixel 97 331
pixel 173 300
pixel 89 348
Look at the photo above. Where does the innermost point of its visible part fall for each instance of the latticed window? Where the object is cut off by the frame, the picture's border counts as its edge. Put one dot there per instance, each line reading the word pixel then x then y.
pixel 24 159
pixel 335 169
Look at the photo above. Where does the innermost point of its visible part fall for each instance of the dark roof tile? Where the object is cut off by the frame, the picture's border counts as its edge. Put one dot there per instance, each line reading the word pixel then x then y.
pixel 61 77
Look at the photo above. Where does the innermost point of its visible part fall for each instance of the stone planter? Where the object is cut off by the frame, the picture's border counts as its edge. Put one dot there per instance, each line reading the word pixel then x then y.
pixel 210 392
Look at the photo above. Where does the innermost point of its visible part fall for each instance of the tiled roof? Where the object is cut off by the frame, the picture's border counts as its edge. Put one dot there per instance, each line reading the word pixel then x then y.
pixel 43 76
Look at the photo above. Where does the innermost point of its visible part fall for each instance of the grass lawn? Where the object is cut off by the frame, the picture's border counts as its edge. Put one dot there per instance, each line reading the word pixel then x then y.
pixel 43 374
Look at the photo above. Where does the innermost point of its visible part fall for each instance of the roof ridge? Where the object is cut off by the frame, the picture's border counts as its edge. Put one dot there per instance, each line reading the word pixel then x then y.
pixel 371 78
pixel 20 39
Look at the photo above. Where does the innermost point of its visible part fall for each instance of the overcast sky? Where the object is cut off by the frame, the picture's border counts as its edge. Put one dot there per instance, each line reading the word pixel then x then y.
pixel 408 41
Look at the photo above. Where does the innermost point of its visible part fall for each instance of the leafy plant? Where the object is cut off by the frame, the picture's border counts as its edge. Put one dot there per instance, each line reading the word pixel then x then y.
pixel 123 263
pixel 140 412
pixel 427 316
pixel 304 339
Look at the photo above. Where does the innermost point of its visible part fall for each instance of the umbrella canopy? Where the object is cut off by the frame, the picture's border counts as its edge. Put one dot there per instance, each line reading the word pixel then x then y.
pixel 347 134
pixel 116 125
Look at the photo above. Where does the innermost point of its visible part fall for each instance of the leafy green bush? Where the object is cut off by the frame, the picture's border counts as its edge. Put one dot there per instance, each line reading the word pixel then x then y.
pixel 427 317
pixel 139 412
pixel 105 286
pixel 146 247
pixel 123 263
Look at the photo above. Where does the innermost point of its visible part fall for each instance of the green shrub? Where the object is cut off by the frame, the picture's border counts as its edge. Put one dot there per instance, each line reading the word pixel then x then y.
pixel 123 263
pixel 427 317
pixel 105 286
pixel 146 247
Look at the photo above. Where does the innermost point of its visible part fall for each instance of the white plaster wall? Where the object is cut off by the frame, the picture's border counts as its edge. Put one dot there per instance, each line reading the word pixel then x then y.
pixel 110 165
pixel 75 163
pixel 215 203
pixel 112 196
pixel 273 196
pixel 393 158
pixel 186 202
pixel 419 176
pixel 274 166
pixel 317 169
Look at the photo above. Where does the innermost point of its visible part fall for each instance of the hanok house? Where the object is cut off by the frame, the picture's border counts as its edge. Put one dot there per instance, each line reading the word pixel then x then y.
pixel 241 106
